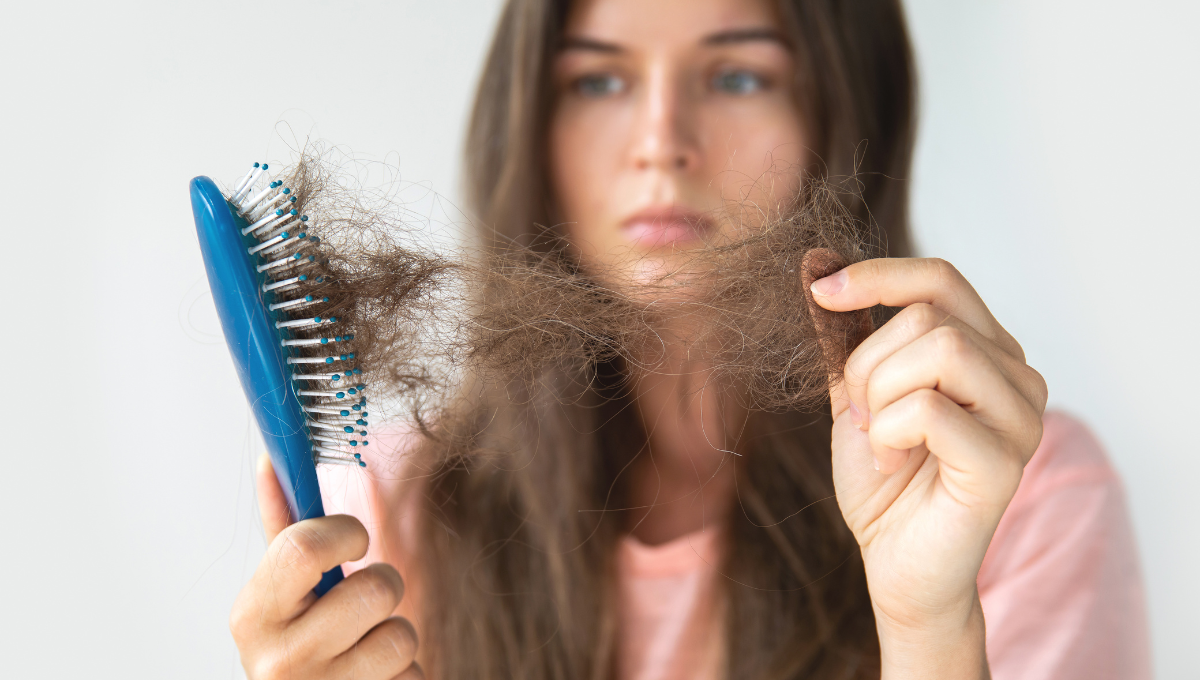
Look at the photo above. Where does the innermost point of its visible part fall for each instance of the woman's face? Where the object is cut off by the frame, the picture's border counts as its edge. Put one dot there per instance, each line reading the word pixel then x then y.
pixel 671 116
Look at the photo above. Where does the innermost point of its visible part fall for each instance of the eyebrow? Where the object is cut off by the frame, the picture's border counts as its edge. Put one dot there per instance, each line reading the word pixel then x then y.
pixel 731 37
pixel 589 45
pixel 744 35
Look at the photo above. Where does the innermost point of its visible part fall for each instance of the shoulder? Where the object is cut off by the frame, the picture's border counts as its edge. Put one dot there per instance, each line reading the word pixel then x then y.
pixel 1061 585
pixel 1069 488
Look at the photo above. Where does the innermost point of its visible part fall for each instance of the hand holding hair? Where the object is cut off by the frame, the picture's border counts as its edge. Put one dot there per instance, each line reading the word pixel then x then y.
pixel 934 421
pixel 283 631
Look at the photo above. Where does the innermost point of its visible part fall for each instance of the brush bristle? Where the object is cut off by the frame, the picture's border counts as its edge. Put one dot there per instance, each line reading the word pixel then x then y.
pixel 326 377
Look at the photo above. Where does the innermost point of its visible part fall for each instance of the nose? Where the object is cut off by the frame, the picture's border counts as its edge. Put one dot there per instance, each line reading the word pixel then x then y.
pixel 663 135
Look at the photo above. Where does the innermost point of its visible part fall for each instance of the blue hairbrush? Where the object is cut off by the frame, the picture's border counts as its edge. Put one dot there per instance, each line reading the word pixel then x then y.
pixel 265 270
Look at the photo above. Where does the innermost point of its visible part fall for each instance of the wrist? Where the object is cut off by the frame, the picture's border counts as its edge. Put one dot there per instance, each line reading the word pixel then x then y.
pixel 948 645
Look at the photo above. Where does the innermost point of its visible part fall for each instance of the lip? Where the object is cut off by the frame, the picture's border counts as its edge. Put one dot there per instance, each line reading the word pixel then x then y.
pixel 658 226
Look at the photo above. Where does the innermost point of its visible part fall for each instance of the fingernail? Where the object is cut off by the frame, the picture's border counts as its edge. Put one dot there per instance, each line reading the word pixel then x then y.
pixel 876 462
pixel 855 416
pixel 830 285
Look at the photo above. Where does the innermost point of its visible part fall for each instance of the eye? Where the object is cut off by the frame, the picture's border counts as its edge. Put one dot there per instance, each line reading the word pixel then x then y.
pixel 599 85
pixel 738 82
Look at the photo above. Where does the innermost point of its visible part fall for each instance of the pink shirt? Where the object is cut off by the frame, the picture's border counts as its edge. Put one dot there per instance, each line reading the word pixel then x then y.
pixel 1060 585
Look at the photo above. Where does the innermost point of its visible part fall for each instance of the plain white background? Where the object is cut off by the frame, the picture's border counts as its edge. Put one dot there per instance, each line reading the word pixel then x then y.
pixel 1056 166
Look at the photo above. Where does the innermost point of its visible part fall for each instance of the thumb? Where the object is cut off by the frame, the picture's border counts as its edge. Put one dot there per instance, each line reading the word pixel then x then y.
pixel 271 503
pixel 838 332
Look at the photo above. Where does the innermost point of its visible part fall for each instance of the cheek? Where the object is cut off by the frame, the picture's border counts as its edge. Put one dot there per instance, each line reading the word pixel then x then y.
pixel 761 154
pixel 582 145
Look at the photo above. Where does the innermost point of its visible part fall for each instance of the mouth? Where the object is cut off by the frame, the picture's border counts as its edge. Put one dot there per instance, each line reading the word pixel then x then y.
pixel 657 227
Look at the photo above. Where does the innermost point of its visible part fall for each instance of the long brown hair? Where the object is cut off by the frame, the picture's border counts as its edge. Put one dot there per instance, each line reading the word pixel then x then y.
pixel 519 579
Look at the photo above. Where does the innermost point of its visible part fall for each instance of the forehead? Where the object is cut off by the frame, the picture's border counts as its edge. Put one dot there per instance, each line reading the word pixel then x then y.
pixel 647 24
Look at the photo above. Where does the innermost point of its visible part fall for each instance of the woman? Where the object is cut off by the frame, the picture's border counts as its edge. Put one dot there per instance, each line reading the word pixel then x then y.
pixel 631 124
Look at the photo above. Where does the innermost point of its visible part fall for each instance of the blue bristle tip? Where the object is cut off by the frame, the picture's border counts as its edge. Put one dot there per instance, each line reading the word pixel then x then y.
pixel 348 429
pixel 256 165
pixel 345 412
pixel 287 190
pixel 304 277
pixel 341 395
pixel 308 298
pixel 353 443
pixel 324 341
pixel 335 377
pixel 264 166
pixel 304 218
pixel 351 390
pixel 329 360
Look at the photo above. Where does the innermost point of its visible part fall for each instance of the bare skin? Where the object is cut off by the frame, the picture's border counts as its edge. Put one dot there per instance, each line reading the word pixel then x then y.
pixel 669 112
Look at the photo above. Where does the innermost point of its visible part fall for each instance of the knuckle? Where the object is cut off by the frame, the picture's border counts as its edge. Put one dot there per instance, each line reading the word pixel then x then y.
pixel 299 548
pixel 952 344
pixel 401 637
pixel 266 667
pixel 380 583
pixel 1030 439
pixel 919 318
pixel 1041 394
pixel 241 623
pixel 928 404
pixel 944 272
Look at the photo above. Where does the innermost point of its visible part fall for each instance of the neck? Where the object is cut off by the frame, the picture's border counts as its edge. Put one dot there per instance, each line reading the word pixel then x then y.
pixel 685 482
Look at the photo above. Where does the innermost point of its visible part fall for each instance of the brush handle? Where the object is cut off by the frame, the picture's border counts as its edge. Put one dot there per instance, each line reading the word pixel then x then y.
pixel 254 343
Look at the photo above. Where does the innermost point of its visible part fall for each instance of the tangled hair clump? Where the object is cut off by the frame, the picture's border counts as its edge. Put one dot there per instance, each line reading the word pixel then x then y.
pixel 424 321
pixel 502 354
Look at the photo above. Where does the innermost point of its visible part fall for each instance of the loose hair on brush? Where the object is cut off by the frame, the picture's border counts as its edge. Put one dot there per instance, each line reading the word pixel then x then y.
pixel 531 424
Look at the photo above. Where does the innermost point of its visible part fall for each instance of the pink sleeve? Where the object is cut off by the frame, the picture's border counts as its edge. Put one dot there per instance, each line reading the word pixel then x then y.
pixel 1060 585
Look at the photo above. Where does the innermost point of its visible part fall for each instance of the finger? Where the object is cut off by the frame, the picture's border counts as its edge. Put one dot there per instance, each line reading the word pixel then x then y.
pixel 947 360
pixel 899 282
pixel 910 326
pixel 838 334
pixel 272 505
pixel 385 652
pixel 298 556
pixel 339 619
pixel 974 462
